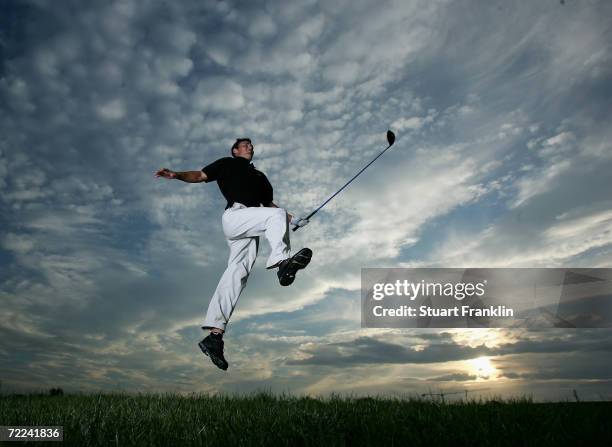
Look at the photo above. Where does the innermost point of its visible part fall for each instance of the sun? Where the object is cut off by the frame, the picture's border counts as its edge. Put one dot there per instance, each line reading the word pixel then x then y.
pixel 482 368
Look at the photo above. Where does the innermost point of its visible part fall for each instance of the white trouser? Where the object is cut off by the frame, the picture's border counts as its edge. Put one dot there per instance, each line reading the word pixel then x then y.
pixel 242 227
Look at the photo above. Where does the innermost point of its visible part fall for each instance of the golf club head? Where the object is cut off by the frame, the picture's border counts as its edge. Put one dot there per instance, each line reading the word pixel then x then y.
pixel 390 137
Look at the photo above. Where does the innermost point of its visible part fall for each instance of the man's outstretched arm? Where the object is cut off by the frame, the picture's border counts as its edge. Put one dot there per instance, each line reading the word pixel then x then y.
pixel 186 176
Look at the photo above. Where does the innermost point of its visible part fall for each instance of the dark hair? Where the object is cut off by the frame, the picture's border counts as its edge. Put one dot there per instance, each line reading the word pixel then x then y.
pixel 238 141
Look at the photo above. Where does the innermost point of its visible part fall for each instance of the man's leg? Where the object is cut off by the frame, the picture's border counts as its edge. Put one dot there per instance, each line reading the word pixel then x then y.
pixel 242 257
pixel 242 227
pixel 261 221
pixel 277 234
pixel 273 223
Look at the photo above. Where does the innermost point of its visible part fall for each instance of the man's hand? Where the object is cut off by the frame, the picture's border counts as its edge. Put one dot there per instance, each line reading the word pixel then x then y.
pixel 299 222
pixel 166 173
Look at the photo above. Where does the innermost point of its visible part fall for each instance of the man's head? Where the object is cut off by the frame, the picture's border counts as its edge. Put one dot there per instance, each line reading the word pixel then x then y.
pixel 243 148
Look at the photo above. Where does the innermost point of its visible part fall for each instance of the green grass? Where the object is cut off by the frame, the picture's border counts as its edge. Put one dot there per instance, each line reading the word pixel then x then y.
pixel 264 419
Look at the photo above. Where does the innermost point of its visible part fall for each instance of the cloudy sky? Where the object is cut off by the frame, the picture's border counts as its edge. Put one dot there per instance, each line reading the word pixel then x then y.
pixel 503 156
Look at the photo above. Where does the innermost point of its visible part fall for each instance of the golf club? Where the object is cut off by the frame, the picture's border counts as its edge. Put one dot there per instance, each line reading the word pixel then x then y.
pixel 390 140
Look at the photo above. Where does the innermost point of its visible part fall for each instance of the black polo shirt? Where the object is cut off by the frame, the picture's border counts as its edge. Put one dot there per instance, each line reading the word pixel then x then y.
pixel 239 181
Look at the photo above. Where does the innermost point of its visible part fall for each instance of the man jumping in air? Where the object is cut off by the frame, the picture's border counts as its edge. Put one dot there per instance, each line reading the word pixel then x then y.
pixel 249 213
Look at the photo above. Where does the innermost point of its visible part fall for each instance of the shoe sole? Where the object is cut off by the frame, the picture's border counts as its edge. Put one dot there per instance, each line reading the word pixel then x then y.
pixel 299 261
pixel 216 360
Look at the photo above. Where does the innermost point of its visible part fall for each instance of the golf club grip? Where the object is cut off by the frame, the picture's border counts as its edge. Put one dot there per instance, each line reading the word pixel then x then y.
pixel 307 217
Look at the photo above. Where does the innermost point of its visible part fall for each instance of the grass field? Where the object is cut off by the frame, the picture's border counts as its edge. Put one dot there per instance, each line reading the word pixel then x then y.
pixel 264 419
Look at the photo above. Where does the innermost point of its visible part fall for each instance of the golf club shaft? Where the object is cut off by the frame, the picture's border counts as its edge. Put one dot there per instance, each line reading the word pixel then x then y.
pixel 347 183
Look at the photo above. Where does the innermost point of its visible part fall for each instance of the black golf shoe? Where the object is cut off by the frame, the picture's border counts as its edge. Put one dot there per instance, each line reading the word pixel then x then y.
pixel 213 348
pixel 289 267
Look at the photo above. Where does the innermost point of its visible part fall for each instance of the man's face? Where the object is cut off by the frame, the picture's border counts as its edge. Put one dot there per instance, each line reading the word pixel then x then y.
pixel 244 150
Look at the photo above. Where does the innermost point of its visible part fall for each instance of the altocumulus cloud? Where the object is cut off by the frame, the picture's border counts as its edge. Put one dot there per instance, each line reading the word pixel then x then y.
pixel 502 159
